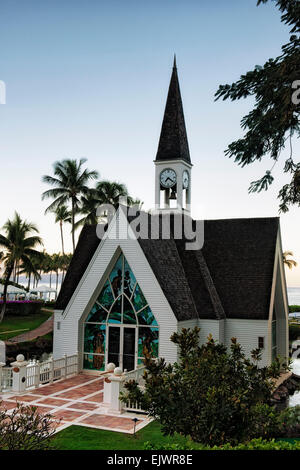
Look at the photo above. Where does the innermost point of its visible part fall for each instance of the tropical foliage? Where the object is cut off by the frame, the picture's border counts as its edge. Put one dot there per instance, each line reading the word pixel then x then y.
pixel 62 215
pixel 275 119
pixel 70 181
pixel 212 395
pixel 70 185
pixel 19 243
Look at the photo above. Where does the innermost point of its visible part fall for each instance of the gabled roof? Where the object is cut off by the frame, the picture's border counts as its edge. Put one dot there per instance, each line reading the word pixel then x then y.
pixel 230 277
pixel 173 142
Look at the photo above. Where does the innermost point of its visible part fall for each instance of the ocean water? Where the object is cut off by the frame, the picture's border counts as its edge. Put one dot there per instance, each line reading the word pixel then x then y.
pixel 294 295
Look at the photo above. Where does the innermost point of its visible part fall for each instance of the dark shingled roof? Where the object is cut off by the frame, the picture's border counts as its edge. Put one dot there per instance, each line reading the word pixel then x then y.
pixel 85 248
pixel 230 277
pixel 173 142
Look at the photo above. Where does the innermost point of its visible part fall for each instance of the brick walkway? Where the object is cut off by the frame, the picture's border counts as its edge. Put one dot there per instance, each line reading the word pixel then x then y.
pixel 77 400
pixel 41 330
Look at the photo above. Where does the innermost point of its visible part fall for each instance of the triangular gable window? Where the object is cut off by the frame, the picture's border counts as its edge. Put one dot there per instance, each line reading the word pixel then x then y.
pixel 121 299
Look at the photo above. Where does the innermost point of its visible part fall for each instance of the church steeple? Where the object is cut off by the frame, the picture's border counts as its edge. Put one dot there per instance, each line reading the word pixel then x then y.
pixel 173 164
pixel 173 142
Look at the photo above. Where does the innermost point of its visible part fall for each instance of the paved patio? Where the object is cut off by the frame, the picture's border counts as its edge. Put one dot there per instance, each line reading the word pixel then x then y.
pixel 76 400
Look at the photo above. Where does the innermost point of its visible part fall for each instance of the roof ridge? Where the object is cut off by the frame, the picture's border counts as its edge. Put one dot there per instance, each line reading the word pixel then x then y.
pixel 182 267
pixel 210 286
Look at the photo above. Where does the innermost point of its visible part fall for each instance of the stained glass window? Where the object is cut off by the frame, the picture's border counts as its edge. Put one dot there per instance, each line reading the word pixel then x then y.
pixel 148 342
pixel 120 302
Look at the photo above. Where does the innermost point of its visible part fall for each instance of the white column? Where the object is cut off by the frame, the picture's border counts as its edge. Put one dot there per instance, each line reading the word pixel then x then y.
pixel 157 187
pixel 116 405
pixel 19 374
pixel 179 188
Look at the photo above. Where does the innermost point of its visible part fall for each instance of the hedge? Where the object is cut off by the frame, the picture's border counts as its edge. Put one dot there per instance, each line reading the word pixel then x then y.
pixel 30 349
pixel 254 444
pixel 294 332
pixel 23 307
pixel 294 308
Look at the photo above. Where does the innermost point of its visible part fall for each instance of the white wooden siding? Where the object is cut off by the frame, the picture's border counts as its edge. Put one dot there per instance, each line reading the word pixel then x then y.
pixel 247 333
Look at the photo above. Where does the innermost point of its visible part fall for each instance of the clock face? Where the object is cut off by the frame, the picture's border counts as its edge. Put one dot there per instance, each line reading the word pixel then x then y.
pixel 185 179
pixel 168 178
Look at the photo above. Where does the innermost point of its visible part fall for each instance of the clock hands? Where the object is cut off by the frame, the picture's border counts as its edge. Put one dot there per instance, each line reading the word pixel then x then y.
pixel 172 181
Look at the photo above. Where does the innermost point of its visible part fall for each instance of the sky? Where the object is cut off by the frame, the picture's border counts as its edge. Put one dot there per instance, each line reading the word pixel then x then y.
pixel 90 79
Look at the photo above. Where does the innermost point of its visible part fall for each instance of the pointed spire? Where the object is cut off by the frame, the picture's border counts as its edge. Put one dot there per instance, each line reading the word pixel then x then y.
pixel 174 63
pixel 173 142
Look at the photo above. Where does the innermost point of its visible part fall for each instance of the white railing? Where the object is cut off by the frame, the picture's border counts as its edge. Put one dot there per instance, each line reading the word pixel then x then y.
pixel 50 370
pixel 39 373
pixel 136 375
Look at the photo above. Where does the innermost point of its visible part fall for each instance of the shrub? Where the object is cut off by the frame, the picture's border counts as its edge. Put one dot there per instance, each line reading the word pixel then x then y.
pixel 254 444
pixel 23 307
pixel 290 422
pixel 294 308
pixel 213 395
pixel 25 429
pixel 30 349
pixel 294 332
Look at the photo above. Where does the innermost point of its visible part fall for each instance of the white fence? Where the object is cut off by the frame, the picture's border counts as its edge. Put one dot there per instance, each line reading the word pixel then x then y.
pixel 136 375
pixel 39 373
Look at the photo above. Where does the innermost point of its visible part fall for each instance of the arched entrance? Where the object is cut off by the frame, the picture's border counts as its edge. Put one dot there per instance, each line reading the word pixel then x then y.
pixel 120 327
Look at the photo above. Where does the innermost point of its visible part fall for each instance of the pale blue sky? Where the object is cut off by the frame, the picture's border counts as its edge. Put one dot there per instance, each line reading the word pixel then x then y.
pixel 90 78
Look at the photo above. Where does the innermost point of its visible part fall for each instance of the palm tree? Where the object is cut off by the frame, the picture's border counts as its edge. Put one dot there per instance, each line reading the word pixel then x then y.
pixel 105 192
pixel 57 267
pixel 290 263
pixel 65 263
pixel 62 214
pixel 19 246
pixel 69 182
pixel 32 269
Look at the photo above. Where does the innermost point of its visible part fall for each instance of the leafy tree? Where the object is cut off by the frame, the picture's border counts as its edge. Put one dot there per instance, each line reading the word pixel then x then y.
pixel 212 395
pixel 106 192
pixel 274 121
pixel 69 183
pixel 19 244
pixel 25 429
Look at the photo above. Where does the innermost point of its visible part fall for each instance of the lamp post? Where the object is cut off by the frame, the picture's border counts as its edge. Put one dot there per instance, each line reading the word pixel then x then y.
pixel 135 420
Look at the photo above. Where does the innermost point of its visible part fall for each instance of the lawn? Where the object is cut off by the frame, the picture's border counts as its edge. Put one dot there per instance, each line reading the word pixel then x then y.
pixel 83 438
pixel 18 322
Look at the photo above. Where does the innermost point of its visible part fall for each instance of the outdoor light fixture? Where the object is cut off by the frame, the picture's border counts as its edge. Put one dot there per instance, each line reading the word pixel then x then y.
pixel 135 420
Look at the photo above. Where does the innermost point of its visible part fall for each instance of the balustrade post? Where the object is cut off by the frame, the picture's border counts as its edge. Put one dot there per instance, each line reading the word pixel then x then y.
pixel 66 364
pixel 19 374
pixel 2 364
pixel 116 383
pixel 77 362
pixel 51 370
pixel 37 372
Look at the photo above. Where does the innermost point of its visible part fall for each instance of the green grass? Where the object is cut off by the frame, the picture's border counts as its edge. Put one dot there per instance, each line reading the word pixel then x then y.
pixel 82 438
pixel 18 322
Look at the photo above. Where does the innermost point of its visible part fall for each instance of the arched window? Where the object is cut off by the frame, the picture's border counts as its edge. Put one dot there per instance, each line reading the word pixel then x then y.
pixel 121 303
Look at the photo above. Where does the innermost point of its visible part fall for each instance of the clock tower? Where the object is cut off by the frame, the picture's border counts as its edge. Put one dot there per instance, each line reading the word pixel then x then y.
pixel 173 164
